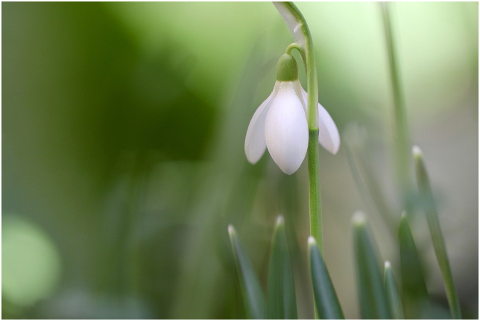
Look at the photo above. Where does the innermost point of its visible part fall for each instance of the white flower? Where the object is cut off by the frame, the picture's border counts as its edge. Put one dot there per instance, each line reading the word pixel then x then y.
pixel 280 124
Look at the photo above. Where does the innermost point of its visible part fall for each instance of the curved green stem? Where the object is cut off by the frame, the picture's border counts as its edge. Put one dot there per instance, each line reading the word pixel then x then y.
pixel 299 29
pixel 294 46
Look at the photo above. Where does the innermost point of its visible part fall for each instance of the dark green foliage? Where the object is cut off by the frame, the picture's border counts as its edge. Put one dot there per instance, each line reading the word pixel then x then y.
pixel 393 296
pixel 281 287
pixel 373 300
pixel 252 292
pixel 326 300
pixel 414 286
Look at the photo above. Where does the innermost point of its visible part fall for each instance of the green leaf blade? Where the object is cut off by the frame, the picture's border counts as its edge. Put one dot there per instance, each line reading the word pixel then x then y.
pixel 282 302
pixel 373 300
pixel 414 285
pixel 251 290
pixel 393 297
pixel 326 301
pixel 436 232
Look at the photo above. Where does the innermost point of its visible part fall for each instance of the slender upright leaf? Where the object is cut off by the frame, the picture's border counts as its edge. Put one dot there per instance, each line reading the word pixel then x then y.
pixel 394 301
pixel 326 300
pixel 373 300
pixel 282 303
pixel 252 292
pixel 436 232
pixel 401 134
pixel 414 286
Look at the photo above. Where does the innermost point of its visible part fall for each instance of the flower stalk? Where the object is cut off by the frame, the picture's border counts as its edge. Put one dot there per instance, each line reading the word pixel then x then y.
pixel 300 31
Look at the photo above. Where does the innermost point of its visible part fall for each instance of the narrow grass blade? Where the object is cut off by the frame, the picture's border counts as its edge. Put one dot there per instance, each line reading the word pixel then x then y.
pixel 282 302
pixel 401 134
pixel 393 297
pixel 373 300
pixel 414 286
pixel 326 300
pixel 436 232
pixel 252 292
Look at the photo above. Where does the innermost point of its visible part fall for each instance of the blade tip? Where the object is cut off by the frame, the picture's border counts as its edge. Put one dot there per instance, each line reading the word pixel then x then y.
pixel 231 230
pixel 359 218
pixel 280 221
pixel 416 151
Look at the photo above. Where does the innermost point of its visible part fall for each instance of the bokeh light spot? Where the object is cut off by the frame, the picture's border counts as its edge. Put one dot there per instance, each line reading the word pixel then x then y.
pixel 31 263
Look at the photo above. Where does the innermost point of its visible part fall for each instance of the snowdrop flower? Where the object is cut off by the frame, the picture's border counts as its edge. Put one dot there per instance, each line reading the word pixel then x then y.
pixel 280 123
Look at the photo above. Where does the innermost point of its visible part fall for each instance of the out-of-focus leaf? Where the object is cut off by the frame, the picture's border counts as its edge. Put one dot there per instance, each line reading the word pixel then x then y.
pixel 400 130
pixel 197 294
pixel 326 300
pixel 281 287
pixel 373 301
pixel 252 292
pixel 368 184
pixel 393 297
pixel 436 232
pixel 414 287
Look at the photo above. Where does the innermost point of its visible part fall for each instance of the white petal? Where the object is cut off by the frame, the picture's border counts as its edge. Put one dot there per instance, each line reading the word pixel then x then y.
pixel 286 129
pixel 328 135
pixel 302 95
pixel 255 140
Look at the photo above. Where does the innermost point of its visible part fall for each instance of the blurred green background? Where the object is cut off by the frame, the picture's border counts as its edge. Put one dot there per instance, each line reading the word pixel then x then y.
pixel 123 162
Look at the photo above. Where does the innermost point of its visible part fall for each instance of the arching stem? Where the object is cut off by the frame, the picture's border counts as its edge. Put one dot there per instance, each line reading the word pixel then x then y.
pixel 299 29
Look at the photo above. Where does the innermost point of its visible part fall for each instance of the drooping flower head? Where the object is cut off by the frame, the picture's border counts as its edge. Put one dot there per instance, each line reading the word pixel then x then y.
pixel 280 123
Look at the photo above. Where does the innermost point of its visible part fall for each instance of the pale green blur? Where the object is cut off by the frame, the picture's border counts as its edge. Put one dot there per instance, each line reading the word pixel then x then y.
pixel 31 263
